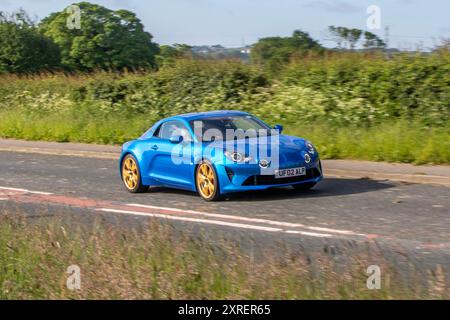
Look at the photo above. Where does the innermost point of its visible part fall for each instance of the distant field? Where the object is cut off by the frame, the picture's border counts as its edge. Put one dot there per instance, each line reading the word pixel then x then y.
pixel 156 264
pixel 351 105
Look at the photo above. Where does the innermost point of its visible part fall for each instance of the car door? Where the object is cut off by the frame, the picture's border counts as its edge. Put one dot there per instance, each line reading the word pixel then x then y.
pixel 171 163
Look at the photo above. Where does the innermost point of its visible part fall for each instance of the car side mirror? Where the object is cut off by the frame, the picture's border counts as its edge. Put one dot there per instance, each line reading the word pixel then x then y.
pixel 176 139
pixel 278 127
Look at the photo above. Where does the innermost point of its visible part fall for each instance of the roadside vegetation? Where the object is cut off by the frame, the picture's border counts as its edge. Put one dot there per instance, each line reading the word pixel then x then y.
pixel 360 106
pixel 158 263
pixel 371 103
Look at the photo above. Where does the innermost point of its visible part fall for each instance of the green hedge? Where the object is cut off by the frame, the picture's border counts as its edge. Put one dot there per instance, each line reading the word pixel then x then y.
pixel 341 93
pixel 411 86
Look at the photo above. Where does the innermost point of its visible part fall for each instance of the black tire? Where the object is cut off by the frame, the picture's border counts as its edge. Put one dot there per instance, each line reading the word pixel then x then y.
pixel 304 186
pixel 132 177
pixel 215 196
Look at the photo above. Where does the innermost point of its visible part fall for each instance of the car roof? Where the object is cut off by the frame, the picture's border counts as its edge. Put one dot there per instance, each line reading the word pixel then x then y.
pixel 208 114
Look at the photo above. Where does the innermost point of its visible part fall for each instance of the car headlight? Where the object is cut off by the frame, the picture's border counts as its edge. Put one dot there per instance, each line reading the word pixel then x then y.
pixel 307 158
pixel 310 148
pixel 237 157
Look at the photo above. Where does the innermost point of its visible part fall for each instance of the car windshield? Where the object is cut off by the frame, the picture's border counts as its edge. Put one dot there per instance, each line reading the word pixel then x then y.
pixel 229 128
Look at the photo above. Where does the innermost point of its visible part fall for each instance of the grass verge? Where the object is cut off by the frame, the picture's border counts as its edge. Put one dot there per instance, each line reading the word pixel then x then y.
pixel 398 141
pixel 155 264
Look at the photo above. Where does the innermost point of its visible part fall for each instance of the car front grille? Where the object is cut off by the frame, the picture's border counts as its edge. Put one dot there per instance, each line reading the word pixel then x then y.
pixel 261 180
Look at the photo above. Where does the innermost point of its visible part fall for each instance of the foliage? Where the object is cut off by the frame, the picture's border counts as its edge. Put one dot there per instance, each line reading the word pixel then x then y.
pixel 444 46
pixel 351 105
pixel 372 41
pixel 157 262
pixel 392 141
pixel 22 48
pixel 409 86
pixel 169 54
pixel 107 40
pixel 274 52
pixel 349 38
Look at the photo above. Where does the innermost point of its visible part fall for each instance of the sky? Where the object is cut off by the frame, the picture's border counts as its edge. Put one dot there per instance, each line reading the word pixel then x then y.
pixel 233 23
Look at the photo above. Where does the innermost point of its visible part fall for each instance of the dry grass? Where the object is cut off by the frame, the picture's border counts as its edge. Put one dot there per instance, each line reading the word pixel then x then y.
pixel 154 263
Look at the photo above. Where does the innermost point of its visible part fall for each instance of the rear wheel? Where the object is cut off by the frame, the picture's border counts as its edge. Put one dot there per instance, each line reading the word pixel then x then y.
pixel 131 176
pixel 207 182
pixel 304 186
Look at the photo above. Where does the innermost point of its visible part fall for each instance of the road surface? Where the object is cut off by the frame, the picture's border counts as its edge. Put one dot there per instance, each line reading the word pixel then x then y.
pixel 403 219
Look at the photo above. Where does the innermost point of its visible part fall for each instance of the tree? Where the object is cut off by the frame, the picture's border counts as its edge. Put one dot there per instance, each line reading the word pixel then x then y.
pixel 444 46
pixel 347 36
pixel 338 35
pixel 273 52
pixel 107 39
pixel 372 41
pixel 168 54
pixel 353 37
pixel 22 48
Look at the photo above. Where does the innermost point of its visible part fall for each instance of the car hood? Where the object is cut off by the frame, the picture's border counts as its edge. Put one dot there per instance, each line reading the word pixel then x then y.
pixel 290 148
pixel 284 142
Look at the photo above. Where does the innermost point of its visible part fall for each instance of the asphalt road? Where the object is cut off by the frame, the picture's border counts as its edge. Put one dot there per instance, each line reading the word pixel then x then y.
pixel 338 215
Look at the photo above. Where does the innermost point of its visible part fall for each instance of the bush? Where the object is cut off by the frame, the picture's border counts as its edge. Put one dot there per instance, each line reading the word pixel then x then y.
pixel 409 86
pixel 23 49
pixel 355 97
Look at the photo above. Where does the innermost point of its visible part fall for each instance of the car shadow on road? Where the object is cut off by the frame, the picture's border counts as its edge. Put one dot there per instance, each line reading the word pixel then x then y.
pixel 329 187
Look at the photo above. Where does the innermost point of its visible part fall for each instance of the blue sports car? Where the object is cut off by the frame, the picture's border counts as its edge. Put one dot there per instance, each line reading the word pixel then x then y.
pixel 218 152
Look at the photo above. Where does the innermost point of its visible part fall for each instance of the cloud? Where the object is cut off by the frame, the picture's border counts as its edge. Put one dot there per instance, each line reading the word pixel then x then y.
pixel 334 6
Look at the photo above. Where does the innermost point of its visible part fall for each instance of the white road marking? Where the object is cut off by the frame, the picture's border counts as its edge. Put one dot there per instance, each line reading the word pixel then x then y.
pixel 25 191
pixel 311 234
pixel 215 222
pixel 254 220
pixel 274 226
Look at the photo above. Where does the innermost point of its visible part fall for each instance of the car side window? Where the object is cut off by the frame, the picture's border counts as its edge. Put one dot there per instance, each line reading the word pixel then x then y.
pixel 174 128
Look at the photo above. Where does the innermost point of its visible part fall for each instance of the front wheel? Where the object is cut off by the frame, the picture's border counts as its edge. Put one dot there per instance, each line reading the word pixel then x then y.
pixel 131 176
pixel 304 186
pixel 207 182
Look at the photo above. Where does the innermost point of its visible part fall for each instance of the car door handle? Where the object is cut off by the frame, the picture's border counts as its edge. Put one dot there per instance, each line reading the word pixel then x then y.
pixel 155 147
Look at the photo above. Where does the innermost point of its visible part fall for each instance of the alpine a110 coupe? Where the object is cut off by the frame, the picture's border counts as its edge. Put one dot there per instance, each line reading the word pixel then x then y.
pixel 217 153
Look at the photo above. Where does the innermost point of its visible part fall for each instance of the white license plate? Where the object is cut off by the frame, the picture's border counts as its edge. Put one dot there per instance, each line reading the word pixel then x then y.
pixel 292 172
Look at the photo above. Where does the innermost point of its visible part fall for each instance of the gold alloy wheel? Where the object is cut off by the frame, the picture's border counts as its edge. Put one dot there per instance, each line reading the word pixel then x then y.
pixel 206 180
pixel 130 173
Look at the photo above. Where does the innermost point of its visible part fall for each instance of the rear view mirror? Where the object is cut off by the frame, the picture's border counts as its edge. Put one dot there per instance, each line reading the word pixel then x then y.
pixel 176 139
pixel 278 127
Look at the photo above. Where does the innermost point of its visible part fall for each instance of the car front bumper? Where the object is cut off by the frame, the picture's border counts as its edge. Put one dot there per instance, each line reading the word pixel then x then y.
pixel 246 177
